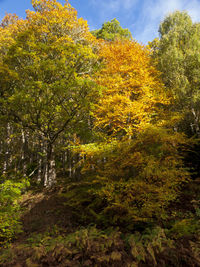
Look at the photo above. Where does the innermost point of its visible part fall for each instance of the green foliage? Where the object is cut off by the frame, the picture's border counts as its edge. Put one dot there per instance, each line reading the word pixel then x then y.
pixel 85 247
pixel 6 254
pixel 175 21
pixel 45 76
pixel 184 228
pixel 111 31
pixel 48 92
pixel 10 225
pixel 93 247
pixel 147 245
pixel 177 57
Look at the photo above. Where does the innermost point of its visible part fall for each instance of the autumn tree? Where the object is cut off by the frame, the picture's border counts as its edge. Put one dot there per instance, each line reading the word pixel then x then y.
pixel 45 71
pixel 136 169
pixel 111 31
pixel 132 90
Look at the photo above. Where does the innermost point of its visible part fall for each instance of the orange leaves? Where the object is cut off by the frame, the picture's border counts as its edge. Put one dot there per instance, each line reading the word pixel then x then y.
pixel 132 87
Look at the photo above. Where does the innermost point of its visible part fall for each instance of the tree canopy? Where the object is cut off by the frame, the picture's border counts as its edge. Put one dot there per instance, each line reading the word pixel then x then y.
pixel 178 58
pixel 111 31
pixel 45 72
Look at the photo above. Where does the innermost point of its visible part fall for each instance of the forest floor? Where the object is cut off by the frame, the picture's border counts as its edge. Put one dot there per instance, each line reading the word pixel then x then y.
pixel 52 236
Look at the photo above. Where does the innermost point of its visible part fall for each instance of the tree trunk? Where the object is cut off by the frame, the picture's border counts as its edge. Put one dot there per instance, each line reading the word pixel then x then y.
pixel 24 152
pixel 7 152
pixel 50 171
pixel 196 122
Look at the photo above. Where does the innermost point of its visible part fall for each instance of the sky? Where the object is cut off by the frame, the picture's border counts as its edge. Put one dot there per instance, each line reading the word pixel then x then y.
pixel 141 17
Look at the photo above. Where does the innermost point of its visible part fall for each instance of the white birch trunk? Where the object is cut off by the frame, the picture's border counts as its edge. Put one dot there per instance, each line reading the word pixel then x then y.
pixel 50 171
pixel 7 156
pixel 24 150
pixel 196 121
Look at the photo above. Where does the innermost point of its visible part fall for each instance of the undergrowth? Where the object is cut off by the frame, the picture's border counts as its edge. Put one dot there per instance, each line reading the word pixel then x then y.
pixel 92 247
pixel 10 224
pixel 173 241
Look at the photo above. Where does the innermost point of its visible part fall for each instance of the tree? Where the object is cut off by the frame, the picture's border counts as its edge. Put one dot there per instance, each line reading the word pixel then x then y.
pixel 132 92
pixel 111 31
pixel 45 75
pixel 135 169
pixel 178 58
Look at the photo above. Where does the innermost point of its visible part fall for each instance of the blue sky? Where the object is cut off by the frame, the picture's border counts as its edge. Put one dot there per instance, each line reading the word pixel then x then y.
pixel 141 17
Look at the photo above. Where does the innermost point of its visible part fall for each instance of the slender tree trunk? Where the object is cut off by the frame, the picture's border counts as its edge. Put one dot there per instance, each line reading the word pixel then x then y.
pixel 24 152
pixel 64 161
pixel 45 170
pixel 41 171
pixel 39 177
pixel 7 152
pixel 70 163
pixel 196 121
pixel 50 171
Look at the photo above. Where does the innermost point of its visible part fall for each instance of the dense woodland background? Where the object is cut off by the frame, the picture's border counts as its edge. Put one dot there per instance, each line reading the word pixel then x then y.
pixel 99 142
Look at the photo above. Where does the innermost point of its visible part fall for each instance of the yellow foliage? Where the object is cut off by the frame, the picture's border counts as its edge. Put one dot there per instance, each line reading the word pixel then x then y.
pixel 137 165
pixel 54 19
pixel 51 21
pixel 132 88
pixel 138 178
pixel 10 26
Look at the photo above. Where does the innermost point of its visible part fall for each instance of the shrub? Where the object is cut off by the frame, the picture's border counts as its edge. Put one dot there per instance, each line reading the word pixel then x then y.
pixel 135 180
pixel 10 225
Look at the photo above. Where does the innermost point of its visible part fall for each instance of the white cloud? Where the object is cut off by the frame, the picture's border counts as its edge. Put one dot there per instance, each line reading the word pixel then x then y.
pixel 106 8
pixel 154 11
pixel 110 8
pixel 128 4
pixel 193 8
pixel 145 23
